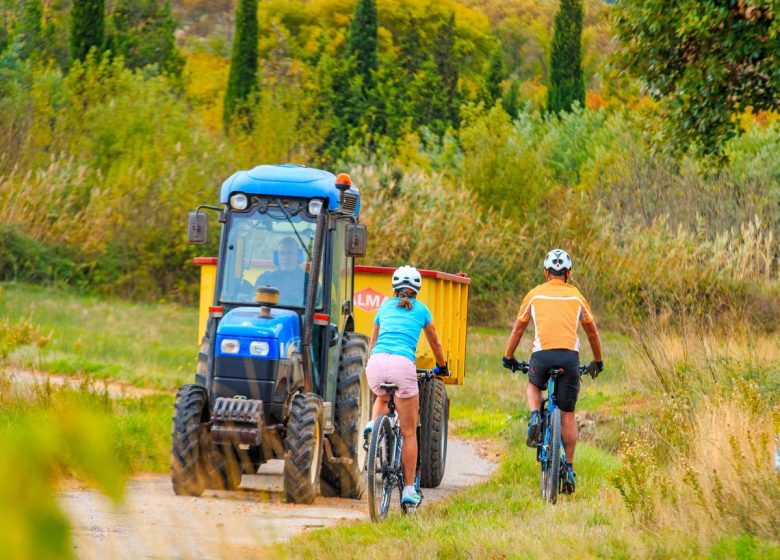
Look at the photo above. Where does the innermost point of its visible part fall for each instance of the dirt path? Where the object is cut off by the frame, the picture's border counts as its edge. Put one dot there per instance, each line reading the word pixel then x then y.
pixel 28 380
pixel 154 523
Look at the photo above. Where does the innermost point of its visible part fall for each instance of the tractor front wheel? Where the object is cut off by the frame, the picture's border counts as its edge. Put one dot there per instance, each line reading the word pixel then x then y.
pixel 189 441
pixel 303 449
pixel 225 468
pixel 353 411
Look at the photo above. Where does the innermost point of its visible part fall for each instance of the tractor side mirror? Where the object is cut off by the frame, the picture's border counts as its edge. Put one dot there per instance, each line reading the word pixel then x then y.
pixel 197 226
pixel 356 240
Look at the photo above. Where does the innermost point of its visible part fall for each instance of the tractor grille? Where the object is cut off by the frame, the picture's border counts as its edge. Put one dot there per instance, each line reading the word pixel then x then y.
pixel 251 369
pixel 349 203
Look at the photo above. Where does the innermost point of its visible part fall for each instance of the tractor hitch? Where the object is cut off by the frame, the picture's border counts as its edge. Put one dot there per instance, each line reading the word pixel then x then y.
pixel 237 421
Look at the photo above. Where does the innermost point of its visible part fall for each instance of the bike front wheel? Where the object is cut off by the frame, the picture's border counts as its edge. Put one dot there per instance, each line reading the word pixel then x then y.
pixel 380 468
pixel 551 467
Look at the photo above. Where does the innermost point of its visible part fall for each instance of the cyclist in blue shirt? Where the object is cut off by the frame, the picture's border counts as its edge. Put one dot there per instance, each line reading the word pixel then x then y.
pixel 393 349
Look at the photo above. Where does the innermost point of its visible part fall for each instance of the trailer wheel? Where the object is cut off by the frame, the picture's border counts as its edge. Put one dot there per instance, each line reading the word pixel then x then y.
pixel 434 419
pixel 352 412
pixel 303 449
pixel 189 440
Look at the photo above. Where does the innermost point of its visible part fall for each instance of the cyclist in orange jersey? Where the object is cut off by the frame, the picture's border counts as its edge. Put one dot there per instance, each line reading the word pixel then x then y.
pixel 557 308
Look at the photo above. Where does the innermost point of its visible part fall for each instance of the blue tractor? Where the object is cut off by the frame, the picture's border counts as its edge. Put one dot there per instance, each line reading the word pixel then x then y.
pixel 281 370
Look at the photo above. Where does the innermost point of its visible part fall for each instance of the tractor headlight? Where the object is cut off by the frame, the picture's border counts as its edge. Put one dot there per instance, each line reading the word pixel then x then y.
pixel 315 205
pixel 259 348
pixel 239 201
pixel 229 346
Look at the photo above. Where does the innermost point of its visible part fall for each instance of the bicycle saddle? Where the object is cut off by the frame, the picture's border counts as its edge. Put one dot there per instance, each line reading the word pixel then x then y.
pixel 389 386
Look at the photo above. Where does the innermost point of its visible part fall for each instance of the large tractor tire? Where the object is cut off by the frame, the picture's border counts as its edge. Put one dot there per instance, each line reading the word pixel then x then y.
pixel 303 449
pixel 224 469
pixel 352 412
pixel 434 419
pixel 190 442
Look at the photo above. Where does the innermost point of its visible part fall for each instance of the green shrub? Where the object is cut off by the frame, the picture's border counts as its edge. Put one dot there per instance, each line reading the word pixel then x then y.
pixel 22 258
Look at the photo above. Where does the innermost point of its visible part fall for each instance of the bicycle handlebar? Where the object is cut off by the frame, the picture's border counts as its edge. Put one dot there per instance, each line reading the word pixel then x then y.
pixel 524 367
pixel 428 373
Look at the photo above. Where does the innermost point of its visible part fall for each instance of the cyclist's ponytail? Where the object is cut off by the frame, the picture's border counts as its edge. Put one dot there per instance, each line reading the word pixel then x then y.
pixel 404 300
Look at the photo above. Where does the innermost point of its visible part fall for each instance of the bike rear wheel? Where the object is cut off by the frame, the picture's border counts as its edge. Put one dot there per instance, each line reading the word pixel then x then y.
pixel 551 468
pixel 381 468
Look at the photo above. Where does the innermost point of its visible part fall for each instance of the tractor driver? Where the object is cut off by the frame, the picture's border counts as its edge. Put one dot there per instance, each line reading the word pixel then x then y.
pixel 289 278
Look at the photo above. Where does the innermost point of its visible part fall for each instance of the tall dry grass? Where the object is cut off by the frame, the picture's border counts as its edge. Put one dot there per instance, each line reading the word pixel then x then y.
pixel 702 463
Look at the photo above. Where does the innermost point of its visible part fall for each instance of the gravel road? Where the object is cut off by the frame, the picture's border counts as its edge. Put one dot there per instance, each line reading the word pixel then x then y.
pixel 154 523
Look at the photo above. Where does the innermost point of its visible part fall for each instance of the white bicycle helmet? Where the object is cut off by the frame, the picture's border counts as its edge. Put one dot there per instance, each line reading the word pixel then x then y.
pixel 557 260
pixel 407 277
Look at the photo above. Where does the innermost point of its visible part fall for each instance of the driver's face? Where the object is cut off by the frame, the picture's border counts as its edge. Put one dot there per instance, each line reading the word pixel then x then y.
pixel 288 256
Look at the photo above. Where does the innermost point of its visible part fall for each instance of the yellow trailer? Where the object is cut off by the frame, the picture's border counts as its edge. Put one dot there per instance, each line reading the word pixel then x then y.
pixel 446 295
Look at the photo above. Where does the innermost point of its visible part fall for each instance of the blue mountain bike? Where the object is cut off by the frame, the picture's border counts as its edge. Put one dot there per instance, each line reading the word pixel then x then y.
pixel 550 452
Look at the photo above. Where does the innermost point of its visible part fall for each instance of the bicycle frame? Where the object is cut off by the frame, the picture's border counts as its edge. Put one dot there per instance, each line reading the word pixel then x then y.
pixel 545 453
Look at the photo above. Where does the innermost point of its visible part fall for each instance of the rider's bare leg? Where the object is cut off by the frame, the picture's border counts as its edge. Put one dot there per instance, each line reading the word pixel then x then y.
pixel 569 434
pixel 407 415
pixel 380 406
pixel 534 396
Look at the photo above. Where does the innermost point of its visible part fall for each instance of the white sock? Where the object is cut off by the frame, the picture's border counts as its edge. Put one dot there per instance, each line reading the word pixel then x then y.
pixel 409 491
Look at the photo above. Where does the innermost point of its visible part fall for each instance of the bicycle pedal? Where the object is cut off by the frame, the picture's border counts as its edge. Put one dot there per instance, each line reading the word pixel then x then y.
pixel 410 510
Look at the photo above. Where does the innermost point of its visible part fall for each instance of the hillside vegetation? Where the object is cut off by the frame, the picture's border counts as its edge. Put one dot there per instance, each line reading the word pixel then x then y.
pixel 101 159
pixel 664 186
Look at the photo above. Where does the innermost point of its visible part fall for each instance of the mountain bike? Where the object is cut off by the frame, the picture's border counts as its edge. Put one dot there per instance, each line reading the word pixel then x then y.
pixel 550 452
pixel 385 468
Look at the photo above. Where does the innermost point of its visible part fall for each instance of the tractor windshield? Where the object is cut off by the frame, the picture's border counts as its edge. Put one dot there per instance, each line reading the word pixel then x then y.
pixel 264 248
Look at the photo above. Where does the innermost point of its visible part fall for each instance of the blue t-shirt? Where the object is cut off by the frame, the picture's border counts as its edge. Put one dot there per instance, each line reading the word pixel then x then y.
pixel 399 328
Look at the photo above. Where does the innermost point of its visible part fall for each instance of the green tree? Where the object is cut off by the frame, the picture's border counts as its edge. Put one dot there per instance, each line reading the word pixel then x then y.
pixel 87 29
pixel 495 76
pixel 410 50
pixel 567 86
pixel 143 33
pixel 511 101
pixel 447 68
pixel 362 41
pixel 30 29
pixel 707 61
pixel 242 81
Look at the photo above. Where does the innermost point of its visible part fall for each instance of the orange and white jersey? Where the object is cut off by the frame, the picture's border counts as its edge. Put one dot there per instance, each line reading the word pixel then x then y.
pixel 557 308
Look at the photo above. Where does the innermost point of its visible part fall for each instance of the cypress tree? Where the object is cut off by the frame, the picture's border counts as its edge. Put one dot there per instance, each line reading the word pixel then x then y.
pixel 87 27
pixel 511 101
pixel 566 82
pixel 362 41
pixel 410 55
pixel 242 81
pixel 495 76
pixel 447 68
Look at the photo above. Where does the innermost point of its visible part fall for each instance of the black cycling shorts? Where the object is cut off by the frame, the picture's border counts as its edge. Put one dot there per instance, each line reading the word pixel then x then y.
pixel 567 386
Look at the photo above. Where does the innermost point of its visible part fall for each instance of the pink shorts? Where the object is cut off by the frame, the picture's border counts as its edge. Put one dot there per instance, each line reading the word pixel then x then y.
pixel 392 368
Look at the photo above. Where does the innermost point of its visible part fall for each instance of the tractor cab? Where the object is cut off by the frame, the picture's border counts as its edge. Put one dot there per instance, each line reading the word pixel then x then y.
pixel 281 370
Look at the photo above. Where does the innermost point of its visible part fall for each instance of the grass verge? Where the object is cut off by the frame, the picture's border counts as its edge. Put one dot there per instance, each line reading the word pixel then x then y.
pixel 147 345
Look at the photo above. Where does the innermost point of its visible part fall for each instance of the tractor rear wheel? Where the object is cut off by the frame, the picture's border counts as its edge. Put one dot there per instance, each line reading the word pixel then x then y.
pixel 303 449
pixel 352 412
pixel 434 419
pixel 189 441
